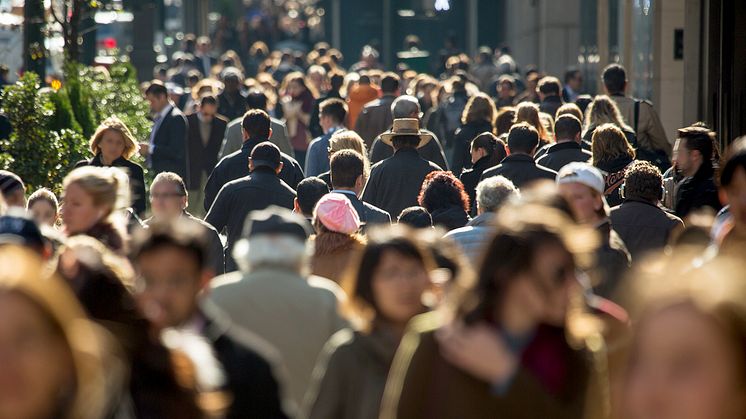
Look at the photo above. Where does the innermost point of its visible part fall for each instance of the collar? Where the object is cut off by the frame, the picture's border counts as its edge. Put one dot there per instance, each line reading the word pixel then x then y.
pixel 165 111
pixel 344 192
pixel 202 118
pixel 564 145
pixel 406 150
pixel 519 158
pixel 481 220
pixel 334 129
pixel 117 162
pixel 249 144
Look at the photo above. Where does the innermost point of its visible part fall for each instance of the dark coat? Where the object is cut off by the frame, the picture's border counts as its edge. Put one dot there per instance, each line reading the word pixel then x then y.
pixel 432 151
pixel 643 226
pixel 612 261
pixel 550 104
pixel 374 118
pixel 236 165
pixel 169 152
pixel 450 218
pixel 558 155
pixel 203 158
pixel 613 171
pixel 521 170
pixel 313 125
pixel 470 178
pixel 368 213
pixel 462 144
pixel 241 196
pixel 233 107
pixel 395 183
pixel 215 257
pixel 697 191
pixel 136 177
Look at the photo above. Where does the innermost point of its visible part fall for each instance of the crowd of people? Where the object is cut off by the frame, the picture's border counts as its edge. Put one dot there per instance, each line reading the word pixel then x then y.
pixel 306 241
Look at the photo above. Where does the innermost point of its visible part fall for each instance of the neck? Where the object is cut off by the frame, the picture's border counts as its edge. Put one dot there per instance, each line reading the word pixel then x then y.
pixel 105 161
pixel 515 321
pixel 352 189
pixel 566 140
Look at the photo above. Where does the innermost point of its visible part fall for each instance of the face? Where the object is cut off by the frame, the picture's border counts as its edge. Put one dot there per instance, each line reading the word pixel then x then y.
pixel 43 213
pixel 166 201
pixel 167 285
pixel 735 194
pixel 157 102
pixel 398 285
pixel 16 198
pixel 111 145
pixel 584 203
pixel 35 363
pixel 78 212
pixel 208 111
pixel 683 159
pixel 576 83
pixel 476 154
pixel 505 90
pixel 325 121
pixel 681 367
pixel 294 89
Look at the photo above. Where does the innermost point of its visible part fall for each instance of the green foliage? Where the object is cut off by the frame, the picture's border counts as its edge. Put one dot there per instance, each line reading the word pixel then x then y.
pixel 63 116
pixel 79 93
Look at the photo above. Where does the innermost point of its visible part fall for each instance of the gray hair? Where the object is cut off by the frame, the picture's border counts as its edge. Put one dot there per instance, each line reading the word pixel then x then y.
pixel 494 192
pixel 404 106
pixel 273 251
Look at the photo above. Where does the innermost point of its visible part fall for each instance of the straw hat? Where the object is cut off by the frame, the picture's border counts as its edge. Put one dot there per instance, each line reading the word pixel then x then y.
pixel 406 126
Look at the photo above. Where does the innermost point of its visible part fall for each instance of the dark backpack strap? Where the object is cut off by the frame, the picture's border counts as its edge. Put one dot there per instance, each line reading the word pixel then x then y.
pixel 637 114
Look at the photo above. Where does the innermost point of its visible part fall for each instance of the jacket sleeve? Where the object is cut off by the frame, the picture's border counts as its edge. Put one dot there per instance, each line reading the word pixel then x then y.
pixel 217 215
pixel 138 189
pixel 232 141
pixel 378 151
pixel 370 194
pixel 313 163
pixel 325 394
pixel 281 139
pixel 406 387
pixel 174 148
pixel 653 128
pixel 217 255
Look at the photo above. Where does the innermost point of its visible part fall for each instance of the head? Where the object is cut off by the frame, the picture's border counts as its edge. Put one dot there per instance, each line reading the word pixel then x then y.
pixel 53 358
pixel 493 193
pixel 12 189
pixel 168 196
pixel 309 192
pixel 442 189
pixel 334 213
pixel 609 143
pixel 256 125
pixel 504 120
pixel 523 139
pixel 90 196
pixel 529 112
pixel 615 79
pixel 266 156
pixel 347 169
pixel 405 106
pixel 157 96
pixel 603 110
pixel 113 140
pixel 390 279
pixel 43 207
pixel 643 181
pixel 232 80
pixel 170 258
pixel 336 80
pixel 415 217
pixel 390 84
pixel 549 86
pixel 574 79
pixel 733 182
pixel 208 107
pixel 256 99
pixel 568 109
pixel 693 149
pixel 582 186
pixel 480 107
pixel 294 84
pixel 567 128
pixel 332 113
pixel 506 86
pixel 486 145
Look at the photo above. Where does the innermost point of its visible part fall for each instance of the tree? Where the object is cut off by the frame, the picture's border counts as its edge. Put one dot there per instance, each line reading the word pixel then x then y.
pixel 70 15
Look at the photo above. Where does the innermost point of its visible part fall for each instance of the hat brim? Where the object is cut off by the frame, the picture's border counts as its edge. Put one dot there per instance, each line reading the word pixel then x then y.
pixel 388 137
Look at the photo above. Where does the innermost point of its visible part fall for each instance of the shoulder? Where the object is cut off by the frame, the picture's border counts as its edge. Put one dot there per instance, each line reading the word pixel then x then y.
pixel 221 120
pixel 224 283
pixel 203 223
pixel 82 163
pixel 288 160
pixel 375 209
pixel 277 122
pixel 326 288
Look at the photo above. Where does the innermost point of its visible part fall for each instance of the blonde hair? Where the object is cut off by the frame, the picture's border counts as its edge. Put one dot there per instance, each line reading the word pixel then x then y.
pixel 569 109
pixel 480 107
pixel 107 186
pixel 601 111
pixel 350 140
pixel 529 112
pixel 115 124
pixel 609 143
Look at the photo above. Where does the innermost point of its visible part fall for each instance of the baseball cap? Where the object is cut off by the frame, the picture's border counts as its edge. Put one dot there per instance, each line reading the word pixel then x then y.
pixel 584 173
pixel 266 154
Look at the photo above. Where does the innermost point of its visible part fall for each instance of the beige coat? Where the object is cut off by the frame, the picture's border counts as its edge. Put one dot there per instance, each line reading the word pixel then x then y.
pixel 294 314
pixel 650 133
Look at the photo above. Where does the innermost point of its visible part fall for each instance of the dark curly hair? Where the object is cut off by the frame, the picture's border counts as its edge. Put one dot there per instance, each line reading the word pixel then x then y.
pixel 441 189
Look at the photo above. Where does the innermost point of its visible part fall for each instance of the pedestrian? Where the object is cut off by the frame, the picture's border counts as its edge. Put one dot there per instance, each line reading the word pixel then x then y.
pixel 348 176
pixel 337 241
pixel 385 291
pixel 486 151
pixel 310 191
pixel 12 189
pixel 274 298
pixel 694 152
pixel 519 166
pixel 569 109
pixel 506 91
pixel 376 116
pixel 601 111
pixel 444 197
pixel 332 116
pixel 573 85
pixel 567 148
pixel 550 95
pixel 612 154
pixel 529 112
pixel 231 101
pixel 395 182
pixel 362 92
pixel 415 217
pixel 347 140
pixel 297 103
pixel 43 207
pixel 113 145
pixel 261 189
pixel 479 117
pixel 166 149
pixel 336 81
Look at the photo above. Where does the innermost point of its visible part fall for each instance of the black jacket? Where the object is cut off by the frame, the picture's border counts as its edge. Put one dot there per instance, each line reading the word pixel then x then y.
pixel 613 171
pixel 135 174
pixel 550 104
pixel 395 183
pixel 557 155
pixel 432 151
pixel 450 218
pixel 250 379
pixel 612 261
pixel 368 213
pixel 169 153
pixel 643 226
pixel 470 178
pixel 521 170
pixel 462 144
pixel 203 158
pixel 241 196
pixel 215 257
pixel 231 107
pixel 697 191
pixel 236 165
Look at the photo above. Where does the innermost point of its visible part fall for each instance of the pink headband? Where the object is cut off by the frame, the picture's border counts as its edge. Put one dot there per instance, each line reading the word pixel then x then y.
pixel 337 214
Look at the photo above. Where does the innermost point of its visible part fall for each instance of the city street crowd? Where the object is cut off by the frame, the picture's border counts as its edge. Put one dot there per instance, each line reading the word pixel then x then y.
pixel 297 239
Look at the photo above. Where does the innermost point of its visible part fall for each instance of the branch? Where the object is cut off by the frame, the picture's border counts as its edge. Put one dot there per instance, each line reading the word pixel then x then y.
pixel 54 14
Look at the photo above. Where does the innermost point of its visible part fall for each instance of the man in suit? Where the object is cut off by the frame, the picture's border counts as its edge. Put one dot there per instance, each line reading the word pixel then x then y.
pixel 203 56
pixel 376 116
pixel 256 129
pixel 170 258
pixel 166 151
pixel 256 99
pixel 395 183
pixel 262 188
pixel 519 167
pixel 348 179
pixel 206 130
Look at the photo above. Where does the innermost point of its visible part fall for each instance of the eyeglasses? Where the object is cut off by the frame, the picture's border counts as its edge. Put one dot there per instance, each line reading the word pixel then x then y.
pixel 165 195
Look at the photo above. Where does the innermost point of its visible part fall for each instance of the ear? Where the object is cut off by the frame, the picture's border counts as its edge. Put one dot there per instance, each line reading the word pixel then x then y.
pixel 270 133
pixel 245 134
pixel 723 196
pixel 251 165
pixel 184 201
pixel 296 206
pixel 279 168
pixel 359 182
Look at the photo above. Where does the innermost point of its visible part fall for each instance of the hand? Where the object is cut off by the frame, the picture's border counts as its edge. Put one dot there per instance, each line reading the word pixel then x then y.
pixel 478 350
pixel 144 149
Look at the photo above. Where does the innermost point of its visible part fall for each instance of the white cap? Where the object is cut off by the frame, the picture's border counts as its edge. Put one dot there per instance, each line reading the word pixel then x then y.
pixel 582 173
